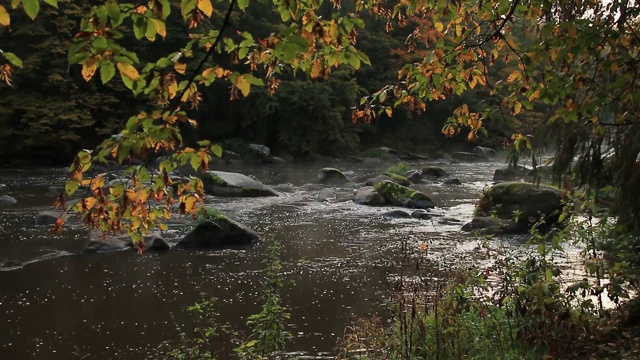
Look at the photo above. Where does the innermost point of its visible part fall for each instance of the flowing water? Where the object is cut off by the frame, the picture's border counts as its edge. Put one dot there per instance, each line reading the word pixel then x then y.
pixel 337 258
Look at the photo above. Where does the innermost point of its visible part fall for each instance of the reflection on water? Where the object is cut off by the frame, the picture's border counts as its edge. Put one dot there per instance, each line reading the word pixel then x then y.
pixel 337 260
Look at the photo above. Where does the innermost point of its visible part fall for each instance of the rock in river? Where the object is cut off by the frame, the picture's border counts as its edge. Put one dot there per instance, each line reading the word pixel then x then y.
pixel 218 232
pixel 47 218
pixel 7 200
pixel 332 176
pixel 223 183
pixel 434 171
pixel 530 202
pixel 391 194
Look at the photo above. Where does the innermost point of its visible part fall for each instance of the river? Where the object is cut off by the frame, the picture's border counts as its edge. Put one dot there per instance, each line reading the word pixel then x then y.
pixel 337 261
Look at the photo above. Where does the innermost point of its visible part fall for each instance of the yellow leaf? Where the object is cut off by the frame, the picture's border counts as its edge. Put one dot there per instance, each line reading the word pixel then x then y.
pixel 5 20
pixel 89 68
pixel 516 108
pixel 513 77
pixel 206 7
pixel 315 69
pixel 181 68
pixel 243 85
pixel 161 28
pixel 128 71
pixel 472 136
pixel 535 95
pixel 438 25
pixel 172 89
pixel 207 73
pixel 388 111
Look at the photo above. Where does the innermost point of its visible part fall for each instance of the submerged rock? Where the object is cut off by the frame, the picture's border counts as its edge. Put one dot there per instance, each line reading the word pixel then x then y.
pixel 47 218
pixel 488 152
pixel 218 232
pixel 511 173
pixel 7 200
pixel 368 196
pixel 326 195
pixel 397 214
pixel 421 214
pixel 99 245
pixel 414 176
pixel 221 183
pixel 468 157
pixel 434 172
pixel 493 225
pixel 332 176
pixel 452 181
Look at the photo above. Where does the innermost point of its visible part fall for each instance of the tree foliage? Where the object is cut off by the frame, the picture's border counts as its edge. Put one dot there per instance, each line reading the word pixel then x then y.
pixel 563 68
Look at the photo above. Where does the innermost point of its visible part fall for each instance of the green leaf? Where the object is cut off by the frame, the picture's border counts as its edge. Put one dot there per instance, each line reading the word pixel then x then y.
pixel 31 7
pixel 123 151
pixel 139 27
pixel 301 43
pixel 216 150
pixel 13 59
pixel 242 4
pixel 71 186
pixel 113 9
pixel 53 3
pixel 107 71
pixel 253 80
pixel 100 44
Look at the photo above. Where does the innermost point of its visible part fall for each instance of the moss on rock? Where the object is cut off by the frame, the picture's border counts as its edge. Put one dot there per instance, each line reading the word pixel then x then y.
pixel 398 195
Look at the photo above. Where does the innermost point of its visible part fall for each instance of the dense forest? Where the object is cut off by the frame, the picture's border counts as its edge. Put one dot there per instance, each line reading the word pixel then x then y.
pixel 51 109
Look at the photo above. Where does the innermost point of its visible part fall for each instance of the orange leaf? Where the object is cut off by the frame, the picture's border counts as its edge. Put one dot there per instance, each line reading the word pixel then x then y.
pixel 89 68
pixel 128 70
pixel 206 7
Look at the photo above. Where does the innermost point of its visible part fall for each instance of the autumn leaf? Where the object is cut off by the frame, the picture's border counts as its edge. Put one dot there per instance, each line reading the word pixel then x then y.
pixel 5 20
pixel 89 68
pixel 243 85
pixel 438 25
pixel 127 70
pixel 180 68
pixel 206 7
pixel 517 107
pixel 513 77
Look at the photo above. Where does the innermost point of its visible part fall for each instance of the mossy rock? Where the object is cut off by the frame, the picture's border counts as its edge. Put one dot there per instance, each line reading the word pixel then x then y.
pixel 532 202
pixel 398 179
pixel 398 195
pixel 221 183
pixel 368 196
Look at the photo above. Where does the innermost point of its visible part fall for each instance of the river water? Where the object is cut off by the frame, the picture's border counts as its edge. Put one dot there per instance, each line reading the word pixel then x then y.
pixel 337 258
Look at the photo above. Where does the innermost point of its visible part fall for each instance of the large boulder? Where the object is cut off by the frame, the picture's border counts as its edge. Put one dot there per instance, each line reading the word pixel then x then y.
pixel 398 195
pixel 493 225
pixel 7 200
pixel 332 176
pixel 468 157
pixel 218 232
pixel 221 183
pixel 488 152
pixel 434 171
pixel 511 173
pixel 531 203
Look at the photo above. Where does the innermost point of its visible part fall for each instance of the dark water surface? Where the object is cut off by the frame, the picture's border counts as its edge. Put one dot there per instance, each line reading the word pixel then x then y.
pixel 337 260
